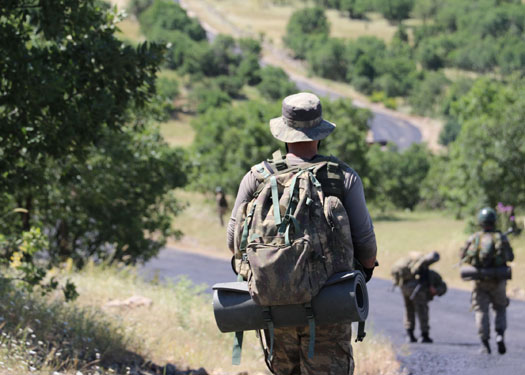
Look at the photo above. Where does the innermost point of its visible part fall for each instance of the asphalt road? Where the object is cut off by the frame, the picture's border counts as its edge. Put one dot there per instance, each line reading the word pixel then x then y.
pixel 456 346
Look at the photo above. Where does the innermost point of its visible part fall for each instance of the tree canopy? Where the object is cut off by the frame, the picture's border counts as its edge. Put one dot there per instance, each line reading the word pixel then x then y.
pixel 78 159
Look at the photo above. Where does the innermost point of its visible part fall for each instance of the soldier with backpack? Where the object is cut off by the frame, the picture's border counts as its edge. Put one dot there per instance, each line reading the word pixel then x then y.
pixel 297 220
pixel 419 285
pixel 488 251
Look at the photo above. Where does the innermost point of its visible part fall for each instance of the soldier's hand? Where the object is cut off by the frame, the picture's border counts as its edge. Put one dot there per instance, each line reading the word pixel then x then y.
pixel 369 271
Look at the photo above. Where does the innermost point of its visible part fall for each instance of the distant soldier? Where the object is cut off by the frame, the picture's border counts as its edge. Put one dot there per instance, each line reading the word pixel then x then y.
pixel 418 285
pixel 488 251
pixel 222 203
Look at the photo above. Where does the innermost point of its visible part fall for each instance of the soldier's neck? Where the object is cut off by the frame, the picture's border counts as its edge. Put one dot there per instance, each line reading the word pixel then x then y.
pixel 303 150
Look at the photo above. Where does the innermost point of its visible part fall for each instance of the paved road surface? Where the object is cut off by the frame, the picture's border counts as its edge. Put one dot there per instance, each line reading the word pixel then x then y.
pixel 455 348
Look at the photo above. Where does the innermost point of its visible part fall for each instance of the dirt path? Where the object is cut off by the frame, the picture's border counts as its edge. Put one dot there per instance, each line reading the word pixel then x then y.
pixel 455 348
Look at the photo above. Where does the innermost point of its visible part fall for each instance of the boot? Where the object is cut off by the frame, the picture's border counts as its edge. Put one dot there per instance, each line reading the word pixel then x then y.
pixel 501 344
pixel 410 336
pixel 425 339
pixel 485 347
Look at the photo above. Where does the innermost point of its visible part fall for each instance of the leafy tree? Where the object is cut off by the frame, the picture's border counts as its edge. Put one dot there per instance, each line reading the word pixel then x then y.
pixel 426 9
pixel 275 83
pixel 394 10
pixel 450 132
pixel 327 58
pixel 364 56
pixel 488 157
pixel 395 177
pixel 428 93
pixel 348 141
pixel 304 24
pixel 165 15
pixel 229 140
pixel 70 163
pixel 205 97
pixel 398 75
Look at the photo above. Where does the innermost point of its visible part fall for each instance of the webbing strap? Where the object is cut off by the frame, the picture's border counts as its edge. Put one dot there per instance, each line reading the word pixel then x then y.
pixel 297 228
pixel 275 199
pixel 244 237
pixel 292 202
pixel 269 325
pixel 237 348
pixel 311 325
pixel 360 332
pixel 262 170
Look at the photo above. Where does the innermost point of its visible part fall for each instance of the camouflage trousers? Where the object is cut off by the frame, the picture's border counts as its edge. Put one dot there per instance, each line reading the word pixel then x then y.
pixel 418 306
pixel 484 294
pixel 333 351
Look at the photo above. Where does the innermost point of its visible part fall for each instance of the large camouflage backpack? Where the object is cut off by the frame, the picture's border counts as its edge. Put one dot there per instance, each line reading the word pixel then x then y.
pixel 487 250
pixel 294 234
pixel 407 268
pixel 436 281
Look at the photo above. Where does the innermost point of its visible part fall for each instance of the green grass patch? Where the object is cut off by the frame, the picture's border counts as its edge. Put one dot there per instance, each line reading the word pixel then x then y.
pixel 200 224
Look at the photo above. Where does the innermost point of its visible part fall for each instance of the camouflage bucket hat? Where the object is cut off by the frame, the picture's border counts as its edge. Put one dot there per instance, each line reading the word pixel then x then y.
pixel 301 120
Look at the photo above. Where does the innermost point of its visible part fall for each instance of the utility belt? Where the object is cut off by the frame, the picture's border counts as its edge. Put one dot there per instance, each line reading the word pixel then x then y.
pixel 469 273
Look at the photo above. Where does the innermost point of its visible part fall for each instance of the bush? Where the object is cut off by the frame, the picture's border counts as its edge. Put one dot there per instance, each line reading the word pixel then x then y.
pixel 450 132
pixel 304 24
pixel 428 93
pixel 165 15
pixel 394 10
pixel 275 83
pixel 327 58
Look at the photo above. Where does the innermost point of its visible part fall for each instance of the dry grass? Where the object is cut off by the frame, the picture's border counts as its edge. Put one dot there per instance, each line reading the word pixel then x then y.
pixel 178 131
pixel 47 336
pixel 201 226
pixel 264 17
pixel 129 30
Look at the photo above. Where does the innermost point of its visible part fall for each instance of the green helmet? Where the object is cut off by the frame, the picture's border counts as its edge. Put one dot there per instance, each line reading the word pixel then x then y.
pixel 487 217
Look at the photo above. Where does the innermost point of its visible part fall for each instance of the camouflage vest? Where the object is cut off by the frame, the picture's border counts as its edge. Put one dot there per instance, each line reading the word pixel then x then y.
pixel 486 251
pixel 295 232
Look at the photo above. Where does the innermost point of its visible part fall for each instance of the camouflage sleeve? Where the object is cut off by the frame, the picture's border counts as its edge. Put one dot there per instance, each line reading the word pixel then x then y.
pixel 247 188
pixel 363 236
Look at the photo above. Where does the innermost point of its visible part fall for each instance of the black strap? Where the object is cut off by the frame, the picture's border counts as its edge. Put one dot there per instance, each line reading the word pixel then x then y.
pixel 360 332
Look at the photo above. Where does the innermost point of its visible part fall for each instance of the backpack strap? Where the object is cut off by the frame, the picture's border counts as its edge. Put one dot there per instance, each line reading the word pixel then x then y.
pixel 360 331
pixel 311 325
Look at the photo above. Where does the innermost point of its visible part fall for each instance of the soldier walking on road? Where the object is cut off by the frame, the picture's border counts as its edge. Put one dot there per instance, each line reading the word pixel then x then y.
pixel 488 251
pixel 419 285
pixel 301 127
pixel 222 203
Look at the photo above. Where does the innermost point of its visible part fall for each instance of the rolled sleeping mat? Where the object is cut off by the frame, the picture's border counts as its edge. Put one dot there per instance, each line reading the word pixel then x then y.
pixel 469 272
pixel 344 298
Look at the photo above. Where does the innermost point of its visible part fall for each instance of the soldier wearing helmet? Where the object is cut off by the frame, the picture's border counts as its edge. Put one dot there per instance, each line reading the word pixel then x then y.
pixel 484 250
